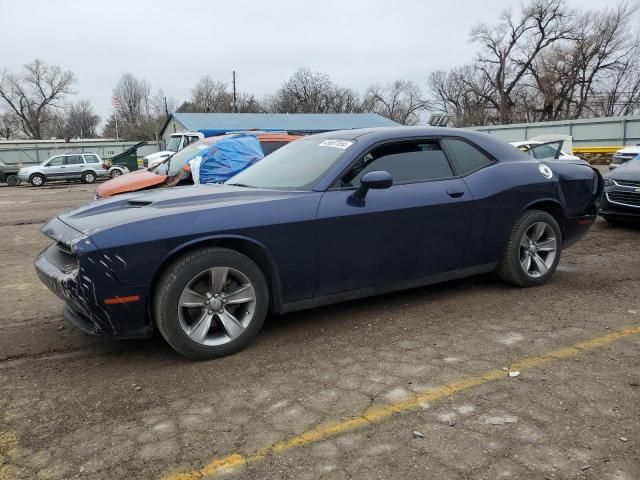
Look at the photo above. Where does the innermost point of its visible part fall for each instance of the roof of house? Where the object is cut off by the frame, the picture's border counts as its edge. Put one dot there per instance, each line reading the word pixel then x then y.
pixel 302 122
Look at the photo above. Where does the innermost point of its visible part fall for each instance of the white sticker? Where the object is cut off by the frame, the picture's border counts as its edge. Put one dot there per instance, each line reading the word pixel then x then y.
pixel 545 171
pixel 341 144
pixel 202 147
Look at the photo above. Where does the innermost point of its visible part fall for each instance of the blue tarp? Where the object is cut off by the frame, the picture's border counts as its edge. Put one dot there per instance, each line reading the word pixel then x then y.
pixel 229 156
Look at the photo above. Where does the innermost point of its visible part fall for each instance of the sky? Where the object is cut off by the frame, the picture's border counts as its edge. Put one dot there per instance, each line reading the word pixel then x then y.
pixel 173 43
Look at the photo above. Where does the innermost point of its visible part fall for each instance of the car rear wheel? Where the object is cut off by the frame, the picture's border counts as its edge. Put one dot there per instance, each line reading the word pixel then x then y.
pixel 210 303
pixel 115 173
pixel 13 180
pixel 533 250
pixel 36 180
pixel 88 177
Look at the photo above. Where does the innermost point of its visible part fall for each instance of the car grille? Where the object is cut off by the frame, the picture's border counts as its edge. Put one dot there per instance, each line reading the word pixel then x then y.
pixel 628 183
pixel 630 199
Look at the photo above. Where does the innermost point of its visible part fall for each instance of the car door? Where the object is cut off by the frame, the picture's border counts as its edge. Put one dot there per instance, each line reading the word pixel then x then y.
pixel 54 169
pixel 74 166
pixel 546 151
pixel 416 228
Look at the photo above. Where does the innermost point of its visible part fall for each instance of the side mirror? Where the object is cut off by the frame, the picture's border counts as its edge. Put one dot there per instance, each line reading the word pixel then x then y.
pixel 377 179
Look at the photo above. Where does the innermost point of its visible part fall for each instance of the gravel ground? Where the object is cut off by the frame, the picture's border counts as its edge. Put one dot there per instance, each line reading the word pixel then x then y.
pixel 73 406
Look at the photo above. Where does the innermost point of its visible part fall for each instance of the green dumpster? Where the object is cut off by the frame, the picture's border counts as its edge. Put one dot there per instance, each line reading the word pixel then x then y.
pixel 128 158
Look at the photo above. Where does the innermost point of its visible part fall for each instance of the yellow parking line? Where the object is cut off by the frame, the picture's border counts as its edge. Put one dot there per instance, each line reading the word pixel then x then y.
pixel 383 412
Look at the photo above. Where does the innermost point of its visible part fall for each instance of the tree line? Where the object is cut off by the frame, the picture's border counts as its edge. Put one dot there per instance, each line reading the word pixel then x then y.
pixel 540 62
pixel 546 62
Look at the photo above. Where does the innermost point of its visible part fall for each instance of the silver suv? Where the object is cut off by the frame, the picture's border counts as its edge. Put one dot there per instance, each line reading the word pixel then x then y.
pixel 74 166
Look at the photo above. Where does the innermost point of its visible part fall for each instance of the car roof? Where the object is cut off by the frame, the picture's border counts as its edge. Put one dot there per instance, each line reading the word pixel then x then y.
pixel 496 147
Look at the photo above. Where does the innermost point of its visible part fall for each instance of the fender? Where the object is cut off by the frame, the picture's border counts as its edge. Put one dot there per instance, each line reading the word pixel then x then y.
pixel 272 273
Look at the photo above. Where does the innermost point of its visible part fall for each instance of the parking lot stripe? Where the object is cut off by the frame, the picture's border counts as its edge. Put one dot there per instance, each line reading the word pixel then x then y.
pixel 383 412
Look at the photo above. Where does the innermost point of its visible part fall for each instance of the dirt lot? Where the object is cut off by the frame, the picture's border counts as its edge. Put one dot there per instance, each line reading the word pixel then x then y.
pixel 409 385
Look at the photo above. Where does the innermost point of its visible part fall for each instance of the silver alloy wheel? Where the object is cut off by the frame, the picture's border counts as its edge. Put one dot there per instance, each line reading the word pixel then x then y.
pixel 116 173
pixel 37 180
pixel 89 177
pixel 216 306
pixel 538 248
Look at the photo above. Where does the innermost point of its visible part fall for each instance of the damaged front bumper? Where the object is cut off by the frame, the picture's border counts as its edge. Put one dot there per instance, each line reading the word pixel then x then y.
pixel 75 270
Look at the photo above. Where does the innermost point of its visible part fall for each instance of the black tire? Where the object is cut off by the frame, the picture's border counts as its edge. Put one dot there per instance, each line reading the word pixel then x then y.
pixel 510 269
pixel 13 180
pixel 37 180
pixel 115 173
pixel 88 177
pixel 178 275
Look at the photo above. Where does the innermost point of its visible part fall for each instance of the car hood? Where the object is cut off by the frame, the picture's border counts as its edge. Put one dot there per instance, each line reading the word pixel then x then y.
pixel 131 182
pixel 166 202
pixel 627 171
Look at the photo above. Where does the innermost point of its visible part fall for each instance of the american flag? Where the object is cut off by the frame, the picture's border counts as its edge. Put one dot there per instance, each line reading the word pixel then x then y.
pixel 116 103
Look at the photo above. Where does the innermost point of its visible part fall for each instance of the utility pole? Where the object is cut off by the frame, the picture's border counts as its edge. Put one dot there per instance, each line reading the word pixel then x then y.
pixel 235 105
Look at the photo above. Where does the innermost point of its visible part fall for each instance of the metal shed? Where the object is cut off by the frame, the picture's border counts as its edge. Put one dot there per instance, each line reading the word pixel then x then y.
pixel 298 122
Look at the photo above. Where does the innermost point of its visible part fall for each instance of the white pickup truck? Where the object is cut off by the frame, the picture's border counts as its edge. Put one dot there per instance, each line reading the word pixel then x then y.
pixel 177 141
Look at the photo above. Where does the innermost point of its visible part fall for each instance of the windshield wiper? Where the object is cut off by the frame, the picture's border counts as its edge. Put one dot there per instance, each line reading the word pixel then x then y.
pixel 240 185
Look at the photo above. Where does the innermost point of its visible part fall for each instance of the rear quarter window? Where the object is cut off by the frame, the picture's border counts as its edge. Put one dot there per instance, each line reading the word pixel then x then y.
pixel 466 157
pixel 91 159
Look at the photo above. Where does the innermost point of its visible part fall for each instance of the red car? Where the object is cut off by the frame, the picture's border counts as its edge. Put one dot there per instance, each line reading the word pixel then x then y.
pixel 168 173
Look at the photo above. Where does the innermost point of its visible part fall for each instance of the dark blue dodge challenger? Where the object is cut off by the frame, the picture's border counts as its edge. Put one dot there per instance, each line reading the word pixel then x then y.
pixel 328 218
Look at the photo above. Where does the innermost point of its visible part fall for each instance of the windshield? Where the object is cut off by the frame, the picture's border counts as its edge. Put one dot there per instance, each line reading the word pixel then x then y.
pixel 175 162
pixel 296 166
pixel 173 144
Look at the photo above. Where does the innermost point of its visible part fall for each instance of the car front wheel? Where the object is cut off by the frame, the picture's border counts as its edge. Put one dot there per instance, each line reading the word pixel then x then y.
pixel 533 250
pixel 210 303
pixel 36 180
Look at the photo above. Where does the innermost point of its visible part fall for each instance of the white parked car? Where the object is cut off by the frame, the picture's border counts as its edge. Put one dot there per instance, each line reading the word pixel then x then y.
pixel 542 152
pixel 87 167
pixel 177 141
pixel 624 155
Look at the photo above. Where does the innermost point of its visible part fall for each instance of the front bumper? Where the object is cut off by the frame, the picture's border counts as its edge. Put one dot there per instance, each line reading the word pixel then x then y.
pixel 621 202
pixel 85 282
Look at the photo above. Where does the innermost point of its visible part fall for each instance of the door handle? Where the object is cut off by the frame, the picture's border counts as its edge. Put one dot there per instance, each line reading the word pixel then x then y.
pixel 455 193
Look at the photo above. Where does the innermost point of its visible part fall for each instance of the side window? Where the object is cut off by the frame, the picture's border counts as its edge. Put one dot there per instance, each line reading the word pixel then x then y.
pixel 270 147
pixel 545 151
pixel 91 159
pixel 407 162
pixel 56 162
pixel 466 157
pixel 74 160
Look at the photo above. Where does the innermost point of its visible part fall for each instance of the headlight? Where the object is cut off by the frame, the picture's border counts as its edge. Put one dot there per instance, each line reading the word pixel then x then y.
pixel 609 183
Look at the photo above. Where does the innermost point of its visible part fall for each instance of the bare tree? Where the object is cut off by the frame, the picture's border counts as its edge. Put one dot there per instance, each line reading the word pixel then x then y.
pixel 509 48
pixel 9 125
pixel 464 92
pixel 604 45
pixel 401 101
pixel 209 95
pixel 141 115
pixel 308 91
pixel 80 120
pixel 34 94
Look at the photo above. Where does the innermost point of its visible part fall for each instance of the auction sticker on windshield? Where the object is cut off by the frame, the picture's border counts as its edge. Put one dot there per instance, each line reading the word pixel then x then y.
pixel 341 144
